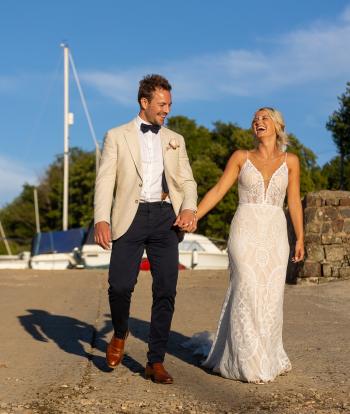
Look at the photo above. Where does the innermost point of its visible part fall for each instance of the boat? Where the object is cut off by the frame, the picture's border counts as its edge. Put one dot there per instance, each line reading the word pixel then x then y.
pixel 15 261
pixel 92 255
pixel 199 252
pixel 195 252
pixel 57 250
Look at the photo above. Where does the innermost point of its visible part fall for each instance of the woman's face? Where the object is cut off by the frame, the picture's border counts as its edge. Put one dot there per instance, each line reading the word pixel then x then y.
pixel 263 125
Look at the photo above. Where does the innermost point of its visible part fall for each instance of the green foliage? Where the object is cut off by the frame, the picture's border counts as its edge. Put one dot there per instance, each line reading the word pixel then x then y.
pixel 339 123
pixel 18 220
pixel 209 152
pixel 331 174
pixel 18 217
pixel 311 178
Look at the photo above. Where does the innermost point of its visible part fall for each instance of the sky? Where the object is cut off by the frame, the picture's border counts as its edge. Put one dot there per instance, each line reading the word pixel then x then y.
pixel 224 60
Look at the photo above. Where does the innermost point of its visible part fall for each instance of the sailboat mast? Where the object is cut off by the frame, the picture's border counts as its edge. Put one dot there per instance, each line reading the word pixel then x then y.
pixel 65 134
pixel 36 209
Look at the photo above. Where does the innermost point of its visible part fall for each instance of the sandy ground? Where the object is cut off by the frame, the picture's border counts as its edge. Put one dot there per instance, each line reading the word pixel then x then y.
pixel 55 327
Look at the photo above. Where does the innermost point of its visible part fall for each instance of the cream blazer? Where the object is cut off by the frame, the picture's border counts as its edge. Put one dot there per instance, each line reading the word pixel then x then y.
pixel 119 178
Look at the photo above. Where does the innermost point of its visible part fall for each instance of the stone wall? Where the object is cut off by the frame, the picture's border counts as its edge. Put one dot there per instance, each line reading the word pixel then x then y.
pixel 327 238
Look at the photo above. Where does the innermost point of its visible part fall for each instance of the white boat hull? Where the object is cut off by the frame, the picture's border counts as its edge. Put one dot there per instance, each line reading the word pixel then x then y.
pixel 18 261
pixel 209 257
pixel 203 260
pixel 15 263
pixel 93 256
pixel 52 261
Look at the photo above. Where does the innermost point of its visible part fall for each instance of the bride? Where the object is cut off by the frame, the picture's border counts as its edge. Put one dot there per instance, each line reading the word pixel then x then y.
pixel 248 342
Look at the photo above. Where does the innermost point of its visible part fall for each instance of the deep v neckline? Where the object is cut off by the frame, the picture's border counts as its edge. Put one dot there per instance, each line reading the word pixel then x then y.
pixel 266 188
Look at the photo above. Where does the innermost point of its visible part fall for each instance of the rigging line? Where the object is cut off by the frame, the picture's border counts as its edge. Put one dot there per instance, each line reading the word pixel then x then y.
pixel 83 101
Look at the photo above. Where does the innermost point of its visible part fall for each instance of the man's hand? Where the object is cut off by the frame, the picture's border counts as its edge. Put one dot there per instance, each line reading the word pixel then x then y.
pixel 103 235
pixel 187 221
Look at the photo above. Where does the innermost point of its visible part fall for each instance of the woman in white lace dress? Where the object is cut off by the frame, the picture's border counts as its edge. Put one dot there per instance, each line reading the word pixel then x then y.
pixel 248 342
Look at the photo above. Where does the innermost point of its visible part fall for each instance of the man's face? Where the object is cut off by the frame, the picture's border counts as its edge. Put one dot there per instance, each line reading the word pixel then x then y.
pixel 156 110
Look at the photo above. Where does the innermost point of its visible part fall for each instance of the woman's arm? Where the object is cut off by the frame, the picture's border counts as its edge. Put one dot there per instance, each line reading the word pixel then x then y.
pixel 226 181
pixel 294 205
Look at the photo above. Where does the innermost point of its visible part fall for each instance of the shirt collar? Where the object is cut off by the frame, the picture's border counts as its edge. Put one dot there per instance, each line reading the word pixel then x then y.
pixel 140 121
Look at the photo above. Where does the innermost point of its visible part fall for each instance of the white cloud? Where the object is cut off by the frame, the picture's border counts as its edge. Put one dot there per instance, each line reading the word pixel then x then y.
pixel 8 83
pixel 13 175
pixel 314 54
pixel 346 14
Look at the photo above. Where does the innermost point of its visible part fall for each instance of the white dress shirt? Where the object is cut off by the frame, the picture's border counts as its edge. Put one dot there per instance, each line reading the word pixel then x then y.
pixel 152 164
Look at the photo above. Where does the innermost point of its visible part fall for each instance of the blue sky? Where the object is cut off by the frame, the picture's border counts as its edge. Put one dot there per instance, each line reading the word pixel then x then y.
pixel 224 60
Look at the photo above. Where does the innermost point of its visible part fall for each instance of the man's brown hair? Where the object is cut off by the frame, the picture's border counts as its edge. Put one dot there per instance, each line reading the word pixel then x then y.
pixel 149 84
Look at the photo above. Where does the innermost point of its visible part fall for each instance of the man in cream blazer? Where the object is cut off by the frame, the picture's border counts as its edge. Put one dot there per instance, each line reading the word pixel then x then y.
pixel 145 192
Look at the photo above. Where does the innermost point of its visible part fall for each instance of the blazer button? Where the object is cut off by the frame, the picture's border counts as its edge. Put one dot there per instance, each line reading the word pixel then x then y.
pixel 140 185
pixel 136 201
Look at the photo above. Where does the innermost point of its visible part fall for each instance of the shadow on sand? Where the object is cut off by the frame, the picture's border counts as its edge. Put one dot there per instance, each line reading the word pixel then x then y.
pixel 73 336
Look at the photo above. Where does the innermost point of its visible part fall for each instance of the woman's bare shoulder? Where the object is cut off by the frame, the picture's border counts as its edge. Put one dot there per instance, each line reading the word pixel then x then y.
pixel 239 155
pixel 292 159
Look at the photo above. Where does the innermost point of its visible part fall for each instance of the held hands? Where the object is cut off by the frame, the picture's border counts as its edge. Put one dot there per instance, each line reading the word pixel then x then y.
pixel 299 252
pixel 187 221
pixel 103 235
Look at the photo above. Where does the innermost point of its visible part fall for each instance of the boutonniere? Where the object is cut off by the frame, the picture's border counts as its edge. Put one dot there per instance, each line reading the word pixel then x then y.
pixel 173 144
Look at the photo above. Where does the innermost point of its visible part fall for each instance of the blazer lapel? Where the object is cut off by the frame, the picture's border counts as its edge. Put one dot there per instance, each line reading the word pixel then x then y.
pixel 164 140
pixel 133 143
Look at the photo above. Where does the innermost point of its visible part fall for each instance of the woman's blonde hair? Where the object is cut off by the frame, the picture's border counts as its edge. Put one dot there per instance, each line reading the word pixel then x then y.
pixel 277 118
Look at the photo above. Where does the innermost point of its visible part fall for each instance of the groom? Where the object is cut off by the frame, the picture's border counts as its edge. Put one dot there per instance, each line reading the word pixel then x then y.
pixel 145 167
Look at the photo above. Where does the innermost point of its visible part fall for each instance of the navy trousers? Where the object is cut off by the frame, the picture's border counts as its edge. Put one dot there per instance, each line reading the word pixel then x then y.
pixel 152 229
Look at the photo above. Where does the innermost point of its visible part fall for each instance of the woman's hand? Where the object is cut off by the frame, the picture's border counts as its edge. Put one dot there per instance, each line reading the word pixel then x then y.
pixel 299 252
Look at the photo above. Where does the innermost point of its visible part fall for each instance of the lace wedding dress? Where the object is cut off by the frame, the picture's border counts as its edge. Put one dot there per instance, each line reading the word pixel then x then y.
pixel 248 342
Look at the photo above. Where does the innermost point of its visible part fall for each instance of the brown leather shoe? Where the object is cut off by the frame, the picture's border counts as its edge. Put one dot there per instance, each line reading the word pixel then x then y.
pixel 157 373
pixel 115 351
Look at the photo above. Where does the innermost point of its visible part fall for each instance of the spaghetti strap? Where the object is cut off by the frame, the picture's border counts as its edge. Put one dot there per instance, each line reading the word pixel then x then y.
pixel 285 158
pixel 247 152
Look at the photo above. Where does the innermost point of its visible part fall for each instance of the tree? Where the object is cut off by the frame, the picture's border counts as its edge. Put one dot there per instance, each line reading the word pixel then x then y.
pixel 339 125
pixel 331 173
pixel 208 151
pixel 18 217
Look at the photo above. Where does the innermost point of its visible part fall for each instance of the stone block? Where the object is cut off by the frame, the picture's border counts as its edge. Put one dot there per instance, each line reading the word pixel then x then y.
pixel 315 252
pixel 345 202
pixel 308 281
pixel 331 239
pixel 310 213
pixel 346 238
pixel 335 271
pixel 332 202
pixel 312 227
pixel 312 201
pixel 334 253
pixel 344 272
pixel 326 279
pixel 312 238
pixel 345 212
pixel 330 213
pixel 326 270
pixel 320 214
pixel 337 225
pixel 311 269
pixel 346 227
pixel 326 227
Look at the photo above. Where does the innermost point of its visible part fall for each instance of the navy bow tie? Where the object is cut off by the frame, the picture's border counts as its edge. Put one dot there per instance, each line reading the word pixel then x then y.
pixel 150 127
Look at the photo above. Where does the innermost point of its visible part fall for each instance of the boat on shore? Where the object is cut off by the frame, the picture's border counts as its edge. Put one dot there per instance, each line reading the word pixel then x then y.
pixel 57 250
pixel 15 261
pixel 195 252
